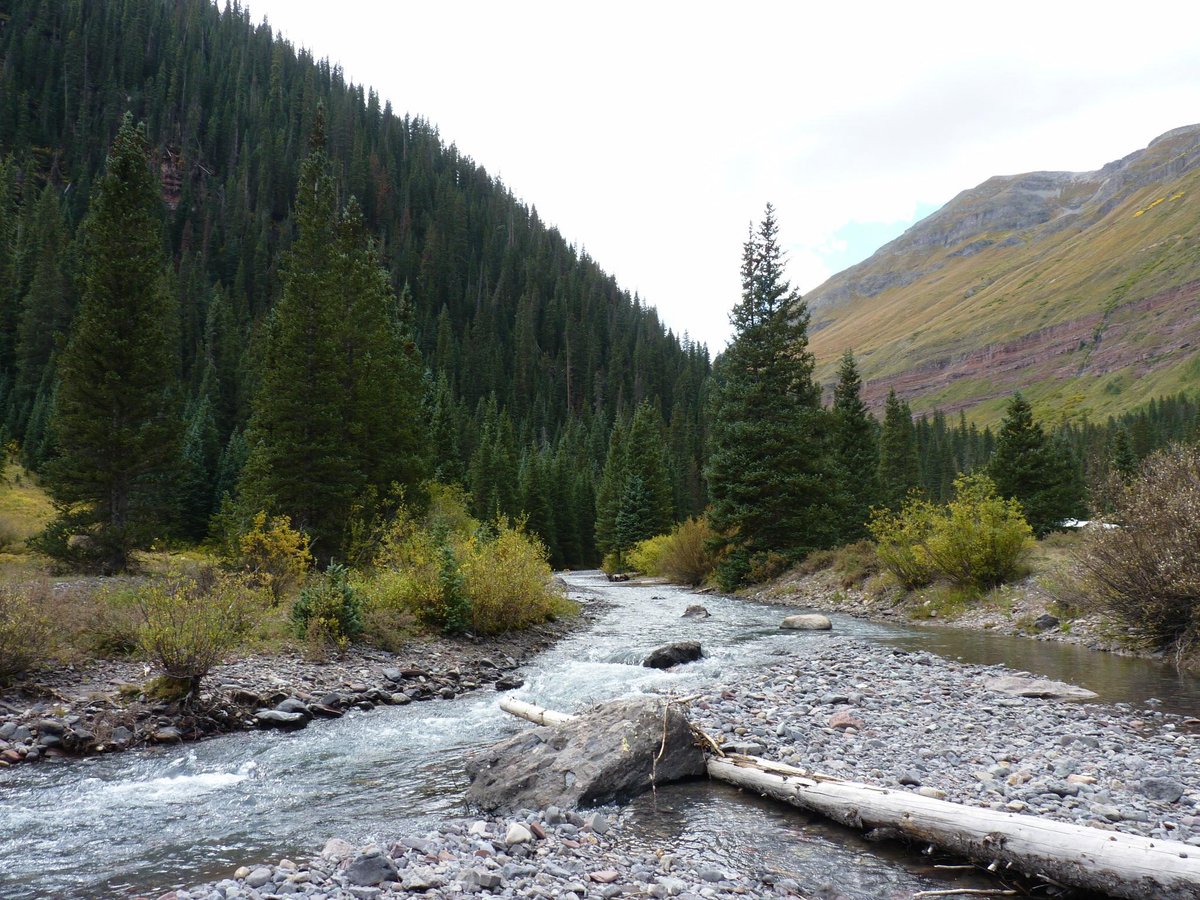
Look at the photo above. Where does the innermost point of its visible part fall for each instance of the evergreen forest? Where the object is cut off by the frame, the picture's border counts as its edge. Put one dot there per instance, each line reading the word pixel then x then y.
pixel 335 309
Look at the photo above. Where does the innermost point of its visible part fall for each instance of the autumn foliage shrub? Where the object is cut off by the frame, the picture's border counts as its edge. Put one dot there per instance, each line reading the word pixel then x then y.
pixel 24 635
pixel 189 624
pixel 1146 572
pixel 271 554
pixel 683 555
pixel 452 573
pixel 978 540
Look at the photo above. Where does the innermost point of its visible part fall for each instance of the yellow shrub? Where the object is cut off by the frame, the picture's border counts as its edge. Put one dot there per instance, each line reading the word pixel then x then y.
pixel 273 554
pixel 687 557
pixel 977 540
pixel 645 555
pixel 901 537
pixel 508 581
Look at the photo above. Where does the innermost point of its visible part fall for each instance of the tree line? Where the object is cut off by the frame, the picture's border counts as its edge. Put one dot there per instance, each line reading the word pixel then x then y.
pixel 517 355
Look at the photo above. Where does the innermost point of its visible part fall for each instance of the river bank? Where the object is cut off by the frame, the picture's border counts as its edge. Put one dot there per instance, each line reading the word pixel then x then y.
pixel 1024 609
pixel 847 707
pixel 79 711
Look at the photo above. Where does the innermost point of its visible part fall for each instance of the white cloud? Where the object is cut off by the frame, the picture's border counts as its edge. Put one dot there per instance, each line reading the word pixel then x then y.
pixel 653 133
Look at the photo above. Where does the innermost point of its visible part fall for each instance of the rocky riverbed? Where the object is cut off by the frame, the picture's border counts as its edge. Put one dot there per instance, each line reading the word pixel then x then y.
pixel 846 707
pixel 915 721
pixel 100 707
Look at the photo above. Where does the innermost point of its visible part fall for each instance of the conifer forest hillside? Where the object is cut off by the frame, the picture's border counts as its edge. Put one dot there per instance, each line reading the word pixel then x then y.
pixel 529 352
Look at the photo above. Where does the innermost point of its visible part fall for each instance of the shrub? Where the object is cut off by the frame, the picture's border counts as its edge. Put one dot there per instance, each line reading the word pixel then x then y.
pixel 646 556
pixel 1146 573
pixel 508 579
pixel 977 541
pixel 765 566
pixel 450 572
pixel 273 554
pixel 901 538
pixel 112 626
pixel 24 635
pixel 856 562
pixel 687 557
pixel 329 609
pixel 190 624
pixel 980 539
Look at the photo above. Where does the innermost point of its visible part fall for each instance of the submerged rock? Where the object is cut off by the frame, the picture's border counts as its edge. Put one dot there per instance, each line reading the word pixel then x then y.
pixel 807 622
pixel 670 655
pixel 605 753
pixel 696 611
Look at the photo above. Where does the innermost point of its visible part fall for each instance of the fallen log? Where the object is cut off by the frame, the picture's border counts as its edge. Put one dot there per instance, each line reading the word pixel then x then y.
pixel 536 714
pixel 1108 862
pixel 1121 865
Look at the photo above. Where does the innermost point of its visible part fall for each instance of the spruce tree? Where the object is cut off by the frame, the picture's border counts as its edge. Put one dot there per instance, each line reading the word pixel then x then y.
pixel 770 473
pixel 115 418
pixel 899 470
pixel 611 490
pixel 1039 472
pixel 336 421
pixel 856 449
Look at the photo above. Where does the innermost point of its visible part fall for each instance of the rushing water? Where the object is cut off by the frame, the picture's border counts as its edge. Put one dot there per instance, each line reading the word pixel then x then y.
pixel 110 825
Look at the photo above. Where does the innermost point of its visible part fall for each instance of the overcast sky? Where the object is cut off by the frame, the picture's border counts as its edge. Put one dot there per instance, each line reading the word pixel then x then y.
pixel 652 133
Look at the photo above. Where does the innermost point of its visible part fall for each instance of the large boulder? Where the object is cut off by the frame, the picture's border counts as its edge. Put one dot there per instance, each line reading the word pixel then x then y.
pixel 807 622
pixel 1022 686
pixel 605 753
pixel 669 655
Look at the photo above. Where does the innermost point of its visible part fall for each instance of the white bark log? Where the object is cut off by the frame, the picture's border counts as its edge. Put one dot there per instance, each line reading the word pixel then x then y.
pixel 1109 862
pixel 536 714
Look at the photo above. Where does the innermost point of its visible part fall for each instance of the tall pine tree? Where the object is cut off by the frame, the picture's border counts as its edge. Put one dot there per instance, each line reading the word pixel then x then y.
pixel 1035 469
pixel 856 449
pixel 336 421
pixel 116 420
pixel 770 473
pixel 899 469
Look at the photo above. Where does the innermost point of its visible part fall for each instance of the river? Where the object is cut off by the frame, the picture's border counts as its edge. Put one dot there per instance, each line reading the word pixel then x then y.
pixel 114 825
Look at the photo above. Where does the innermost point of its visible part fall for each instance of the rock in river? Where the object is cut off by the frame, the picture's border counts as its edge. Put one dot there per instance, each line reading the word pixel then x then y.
pixel 675 654
pixel 807 622
pixel 696 611
pixel 607 752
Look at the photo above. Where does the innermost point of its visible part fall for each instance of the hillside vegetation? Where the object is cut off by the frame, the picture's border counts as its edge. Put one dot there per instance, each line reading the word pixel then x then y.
pixel 1082 290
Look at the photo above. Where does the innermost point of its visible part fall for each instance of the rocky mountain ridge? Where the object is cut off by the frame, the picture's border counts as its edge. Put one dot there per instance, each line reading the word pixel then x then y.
pixel 1039 270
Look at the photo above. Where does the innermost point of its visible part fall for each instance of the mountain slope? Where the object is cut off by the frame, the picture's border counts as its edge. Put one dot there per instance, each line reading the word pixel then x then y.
pixel 1081 289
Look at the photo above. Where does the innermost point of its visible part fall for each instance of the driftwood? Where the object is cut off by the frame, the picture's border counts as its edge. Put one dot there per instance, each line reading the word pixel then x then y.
pixel 536 714
pixel 1108 862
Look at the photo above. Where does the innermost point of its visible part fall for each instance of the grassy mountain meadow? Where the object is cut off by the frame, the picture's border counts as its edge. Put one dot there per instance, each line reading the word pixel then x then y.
pixel 1080 289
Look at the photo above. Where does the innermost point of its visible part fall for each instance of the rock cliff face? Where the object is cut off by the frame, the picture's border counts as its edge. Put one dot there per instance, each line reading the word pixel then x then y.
pixel 1041 281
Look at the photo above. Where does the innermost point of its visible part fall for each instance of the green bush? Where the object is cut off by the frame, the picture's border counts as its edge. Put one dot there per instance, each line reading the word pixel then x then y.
pixel 190 624
pixel 978 540
pixel 1146 573
pixel 24 635
pixel 901 538
pixel 509 581
pixel 646 556
pixel 682 555
pixel 329 609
